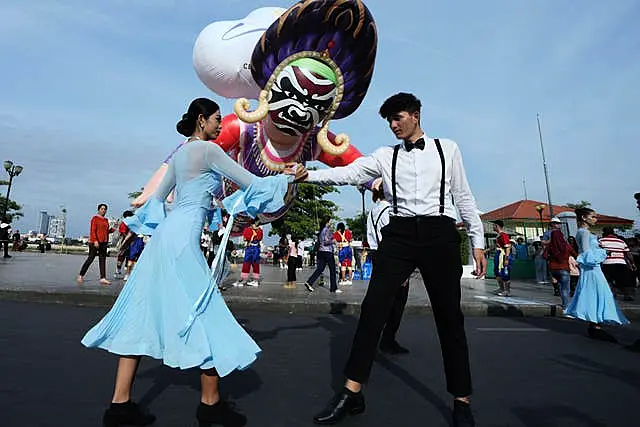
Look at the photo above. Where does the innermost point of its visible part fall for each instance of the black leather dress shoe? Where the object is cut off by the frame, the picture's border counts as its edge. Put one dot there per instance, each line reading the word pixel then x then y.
pixel 392 347
pixel 342 404
pixel 462 415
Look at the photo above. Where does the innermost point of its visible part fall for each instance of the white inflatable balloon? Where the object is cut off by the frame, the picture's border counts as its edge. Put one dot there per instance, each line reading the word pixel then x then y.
pixel 222 53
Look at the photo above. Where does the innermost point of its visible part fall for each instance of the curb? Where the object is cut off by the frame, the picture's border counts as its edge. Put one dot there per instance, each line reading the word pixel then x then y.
pixel 469 308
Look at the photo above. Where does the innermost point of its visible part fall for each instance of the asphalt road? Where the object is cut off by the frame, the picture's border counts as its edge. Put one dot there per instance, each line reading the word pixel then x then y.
pixel 532 372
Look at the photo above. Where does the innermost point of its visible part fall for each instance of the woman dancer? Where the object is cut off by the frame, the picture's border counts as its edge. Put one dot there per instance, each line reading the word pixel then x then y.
pixel 593 300
pixel 171 308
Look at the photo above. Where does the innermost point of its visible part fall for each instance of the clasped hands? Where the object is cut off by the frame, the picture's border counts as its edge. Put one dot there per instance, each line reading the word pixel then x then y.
pixel 297 170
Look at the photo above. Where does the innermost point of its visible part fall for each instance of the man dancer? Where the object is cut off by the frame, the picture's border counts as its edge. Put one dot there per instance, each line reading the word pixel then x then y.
pixel 502 259
pixel 343 239
pixel 252 237
pixel 426 177
pixel 377 219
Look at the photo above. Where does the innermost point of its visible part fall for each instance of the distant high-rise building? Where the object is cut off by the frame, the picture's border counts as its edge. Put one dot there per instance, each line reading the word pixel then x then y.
pixel 43 223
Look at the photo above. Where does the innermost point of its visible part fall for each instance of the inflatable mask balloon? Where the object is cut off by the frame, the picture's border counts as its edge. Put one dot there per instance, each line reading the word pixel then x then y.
pixel 307 65
pixel 222 53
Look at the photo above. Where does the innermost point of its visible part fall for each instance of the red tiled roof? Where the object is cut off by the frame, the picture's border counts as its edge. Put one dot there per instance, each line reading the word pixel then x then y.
pixel 526 210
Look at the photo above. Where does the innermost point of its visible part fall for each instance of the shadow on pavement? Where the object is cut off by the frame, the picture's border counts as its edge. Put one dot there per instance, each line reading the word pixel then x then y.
pixel 235 386
pixel 553 416
pixel 585 364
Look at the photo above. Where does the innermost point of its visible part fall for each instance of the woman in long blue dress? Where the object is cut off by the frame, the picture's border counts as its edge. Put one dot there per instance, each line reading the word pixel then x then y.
pixel 593 300
pixel 171 308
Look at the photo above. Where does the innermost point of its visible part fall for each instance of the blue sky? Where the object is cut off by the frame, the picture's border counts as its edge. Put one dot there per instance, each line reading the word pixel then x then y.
pixel 91 92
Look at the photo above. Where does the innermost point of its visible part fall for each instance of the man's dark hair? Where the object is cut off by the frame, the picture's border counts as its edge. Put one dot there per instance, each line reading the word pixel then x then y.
pixel 340 226
pixel 498 222
pixel 608 231
pixel 101 205
pixel 127 214
pixel 400 102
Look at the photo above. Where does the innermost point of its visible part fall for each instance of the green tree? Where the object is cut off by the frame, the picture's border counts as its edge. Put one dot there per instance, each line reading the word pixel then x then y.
pixel 13 210
pixel 580 204
pixel 357 226
pixel 307 210
pixel 135 194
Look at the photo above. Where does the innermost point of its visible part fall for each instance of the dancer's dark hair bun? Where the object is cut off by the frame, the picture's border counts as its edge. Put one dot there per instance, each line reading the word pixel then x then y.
pixel 187 125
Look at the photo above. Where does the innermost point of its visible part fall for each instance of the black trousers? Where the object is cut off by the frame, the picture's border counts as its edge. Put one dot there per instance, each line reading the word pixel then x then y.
pixel 101 252
pixel 432 244
pixel 325 259
pixel 397 310
pixel 292 264
pixel 621 276
pixel 5 245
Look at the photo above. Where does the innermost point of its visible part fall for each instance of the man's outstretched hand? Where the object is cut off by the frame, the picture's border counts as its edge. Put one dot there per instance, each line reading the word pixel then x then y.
pixel 297 170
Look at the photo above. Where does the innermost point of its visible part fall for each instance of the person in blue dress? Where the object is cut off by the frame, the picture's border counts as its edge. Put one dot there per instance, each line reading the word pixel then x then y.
pixel 171 307
pixel 593 300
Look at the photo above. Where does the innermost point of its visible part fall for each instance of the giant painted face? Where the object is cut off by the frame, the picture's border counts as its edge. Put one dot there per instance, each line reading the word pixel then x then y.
pixel 300 99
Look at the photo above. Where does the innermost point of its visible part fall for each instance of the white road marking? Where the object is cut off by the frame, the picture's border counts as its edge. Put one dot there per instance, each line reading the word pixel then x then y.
pixel 510 300
pixel 512 329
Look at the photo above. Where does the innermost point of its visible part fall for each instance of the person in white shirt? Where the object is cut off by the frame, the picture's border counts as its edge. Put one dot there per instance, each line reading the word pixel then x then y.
pixel 426 177
pixel 377 219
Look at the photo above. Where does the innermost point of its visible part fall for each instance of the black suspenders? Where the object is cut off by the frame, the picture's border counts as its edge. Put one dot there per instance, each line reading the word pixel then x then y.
pixel 393 176
pixel 439 147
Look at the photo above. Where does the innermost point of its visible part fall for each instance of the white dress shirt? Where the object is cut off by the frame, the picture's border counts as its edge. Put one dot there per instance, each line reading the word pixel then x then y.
pixel 418 174
pixel 376 220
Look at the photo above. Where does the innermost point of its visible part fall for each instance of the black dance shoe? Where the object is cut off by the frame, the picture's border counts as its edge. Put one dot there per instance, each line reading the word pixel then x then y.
pixel 392 347
pixel 635 347
pixel 221 413
pixel 462 415
pixel 341 404
pixel 126 414
pixel 601 334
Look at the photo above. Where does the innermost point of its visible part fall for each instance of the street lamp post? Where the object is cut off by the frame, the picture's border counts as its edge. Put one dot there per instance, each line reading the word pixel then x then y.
pixel 540 208
pixel 12 170
pixel 546 171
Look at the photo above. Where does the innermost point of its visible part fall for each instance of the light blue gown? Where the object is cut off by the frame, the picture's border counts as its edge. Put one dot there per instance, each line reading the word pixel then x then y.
pixel 171 308
pixel 593 300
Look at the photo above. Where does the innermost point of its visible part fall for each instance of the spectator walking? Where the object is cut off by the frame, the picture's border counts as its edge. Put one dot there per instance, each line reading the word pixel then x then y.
pixel 558 253
pixel 98 242
pixel 502 259
pixel 5 232
pixel 619 267
pixel 292 262
pixel 326 244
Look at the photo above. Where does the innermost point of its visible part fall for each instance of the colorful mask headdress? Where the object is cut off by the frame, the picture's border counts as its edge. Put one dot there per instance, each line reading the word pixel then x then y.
pixel 336 39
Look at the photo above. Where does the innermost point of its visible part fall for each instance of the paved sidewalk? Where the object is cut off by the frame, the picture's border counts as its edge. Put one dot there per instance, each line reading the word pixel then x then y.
pixel 51 278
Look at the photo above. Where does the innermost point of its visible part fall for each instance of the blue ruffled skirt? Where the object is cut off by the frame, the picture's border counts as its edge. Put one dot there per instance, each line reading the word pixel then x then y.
pixel 171 307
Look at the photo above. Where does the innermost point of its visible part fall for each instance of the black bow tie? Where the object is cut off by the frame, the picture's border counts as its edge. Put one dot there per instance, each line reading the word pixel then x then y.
pixel 419 144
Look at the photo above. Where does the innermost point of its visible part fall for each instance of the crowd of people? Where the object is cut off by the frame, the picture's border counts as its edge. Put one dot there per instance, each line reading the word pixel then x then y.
pixel 555 260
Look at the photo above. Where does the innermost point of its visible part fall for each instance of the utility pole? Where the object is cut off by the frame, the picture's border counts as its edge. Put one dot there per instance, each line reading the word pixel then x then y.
pixel 546 171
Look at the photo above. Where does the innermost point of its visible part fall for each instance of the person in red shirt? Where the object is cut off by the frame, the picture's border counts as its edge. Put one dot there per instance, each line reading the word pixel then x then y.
pixel 252 236
pixel 345 253
pixel 124 243
pixel 502 259
pixel 98 242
